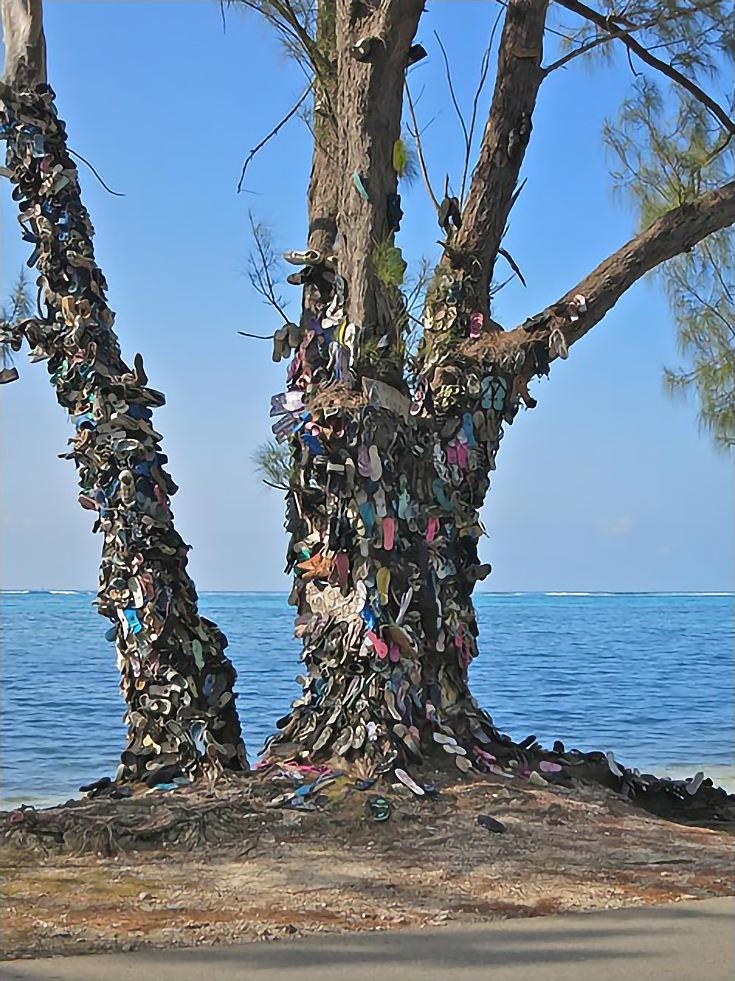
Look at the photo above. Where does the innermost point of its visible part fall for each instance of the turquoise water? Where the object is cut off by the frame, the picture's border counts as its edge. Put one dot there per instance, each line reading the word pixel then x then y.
pixel 648 675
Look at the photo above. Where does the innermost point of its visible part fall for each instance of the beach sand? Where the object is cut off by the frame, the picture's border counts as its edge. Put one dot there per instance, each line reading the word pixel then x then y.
pixel 285 873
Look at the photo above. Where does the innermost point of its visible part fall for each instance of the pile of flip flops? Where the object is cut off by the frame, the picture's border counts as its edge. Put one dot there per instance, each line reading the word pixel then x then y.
pixel 176 680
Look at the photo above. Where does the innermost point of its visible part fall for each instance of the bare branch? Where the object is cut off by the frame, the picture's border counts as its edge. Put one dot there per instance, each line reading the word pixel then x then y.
pixel 270 136
pixel 484 68
pixel 668 70
pixel 117 194
pixel 415 134
pixel 453 95
pixel 261 267
pixel 582 49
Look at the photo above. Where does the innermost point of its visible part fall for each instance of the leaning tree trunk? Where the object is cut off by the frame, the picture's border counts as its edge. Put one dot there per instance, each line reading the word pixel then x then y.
pixel 175 678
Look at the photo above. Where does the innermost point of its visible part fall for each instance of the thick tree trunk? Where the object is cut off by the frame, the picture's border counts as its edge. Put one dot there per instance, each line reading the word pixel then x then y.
pixel 176 680
pixel 384 540
pixel 383 512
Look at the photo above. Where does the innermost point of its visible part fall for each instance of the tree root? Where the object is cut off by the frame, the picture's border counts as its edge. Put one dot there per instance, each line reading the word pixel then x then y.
pixel 228 820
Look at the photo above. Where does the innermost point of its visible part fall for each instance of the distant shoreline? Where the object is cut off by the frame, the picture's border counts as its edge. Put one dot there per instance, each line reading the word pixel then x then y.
pixel 480 592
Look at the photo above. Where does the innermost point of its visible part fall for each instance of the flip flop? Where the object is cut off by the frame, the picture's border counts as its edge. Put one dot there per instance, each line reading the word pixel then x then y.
pixel 389 526
pixel 383 584
pixel 408 781
pixel 380 808
pixel 438 488
pixel 379 646
pixel 367 513
pixel 363 461
pixel 360 186
pixel 376 467
pixel 485 821
pixel 693 785
pixel 547 767
pixel 304 257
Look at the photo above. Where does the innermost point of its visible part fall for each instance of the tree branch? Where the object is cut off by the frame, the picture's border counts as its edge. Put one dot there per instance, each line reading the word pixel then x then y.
pixel 484 67
pixel 453 95
pixel 417 137
pixel 677 231
pixel 668 70
pixel 582 49
pixel 505 138
pixel 273 132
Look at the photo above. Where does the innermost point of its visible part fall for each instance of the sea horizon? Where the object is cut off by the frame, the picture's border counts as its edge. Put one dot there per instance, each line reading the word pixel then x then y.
pixel 598 670
pixel 478 592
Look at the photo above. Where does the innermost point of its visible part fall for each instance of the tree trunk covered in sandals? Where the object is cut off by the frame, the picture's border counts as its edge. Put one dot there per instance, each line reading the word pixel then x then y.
pixel 390 469
pixel 175 678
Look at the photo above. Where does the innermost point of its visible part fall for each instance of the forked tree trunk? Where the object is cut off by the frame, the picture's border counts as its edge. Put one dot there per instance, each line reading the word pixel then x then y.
pixel 383 507
pixel 175 678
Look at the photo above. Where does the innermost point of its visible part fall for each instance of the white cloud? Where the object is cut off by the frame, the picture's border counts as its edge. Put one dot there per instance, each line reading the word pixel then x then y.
pixel 615 526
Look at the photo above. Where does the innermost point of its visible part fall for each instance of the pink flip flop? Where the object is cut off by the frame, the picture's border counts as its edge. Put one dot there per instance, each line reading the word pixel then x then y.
pixel 431 529
pixel 389 528
pixel 548 767
pixel 380 647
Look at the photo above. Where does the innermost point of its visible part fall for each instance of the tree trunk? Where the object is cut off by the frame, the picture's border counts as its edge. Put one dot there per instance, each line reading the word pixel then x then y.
pixel 383 504
pixel 176 680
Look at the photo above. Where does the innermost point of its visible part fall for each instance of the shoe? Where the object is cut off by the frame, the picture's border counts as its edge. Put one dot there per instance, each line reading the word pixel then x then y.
pixel 416 52
pixel 364 48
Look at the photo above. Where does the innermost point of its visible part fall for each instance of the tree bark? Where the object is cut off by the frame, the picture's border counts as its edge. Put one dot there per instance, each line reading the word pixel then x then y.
pixel 176 680
pixel 369 104
pixel 25 44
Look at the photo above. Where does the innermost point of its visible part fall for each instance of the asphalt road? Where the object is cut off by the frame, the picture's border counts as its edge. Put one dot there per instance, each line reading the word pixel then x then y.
pixel 692 941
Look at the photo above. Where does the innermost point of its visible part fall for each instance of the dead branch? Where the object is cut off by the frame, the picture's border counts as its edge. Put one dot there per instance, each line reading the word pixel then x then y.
pixel 273 132
pixel 415 134
pixel 262 266
pixel 453 95
pixel 484 68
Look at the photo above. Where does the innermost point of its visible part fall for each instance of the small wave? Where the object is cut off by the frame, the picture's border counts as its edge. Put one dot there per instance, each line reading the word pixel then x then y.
pixel 15 592
pixel 567 594
pixel 63 592
pixel 691 594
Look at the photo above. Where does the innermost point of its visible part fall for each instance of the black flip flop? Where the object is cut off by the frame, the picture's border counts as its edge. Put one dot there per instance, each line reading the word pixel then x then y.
pixel 485 821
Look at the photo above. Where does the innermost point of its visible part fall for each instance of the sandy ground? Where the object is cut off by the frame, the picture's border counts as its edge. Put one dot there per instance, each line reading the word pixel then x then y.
pixel 335 869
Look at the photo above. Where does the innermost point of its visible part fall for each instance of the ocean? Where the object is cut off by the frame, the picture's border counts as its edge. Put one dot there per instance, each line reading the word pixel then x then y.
pixel 649 676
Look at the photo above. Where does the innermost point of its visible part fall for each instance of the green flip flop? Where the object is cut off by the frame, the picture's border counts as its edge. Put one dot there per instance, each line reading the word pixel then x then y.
pixel 380 808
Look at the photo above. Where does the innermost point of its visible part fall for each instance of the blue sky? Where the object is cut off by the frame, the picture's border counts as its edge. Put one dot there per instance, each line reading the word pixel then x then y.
pixel 607 485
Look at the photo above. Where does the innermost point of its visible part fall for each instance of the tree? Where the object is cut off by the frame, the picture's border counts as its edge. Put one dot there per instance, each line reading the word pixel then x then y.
pixel 668 154
pixel 391 455
pixel 18 307
pixel 175 678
